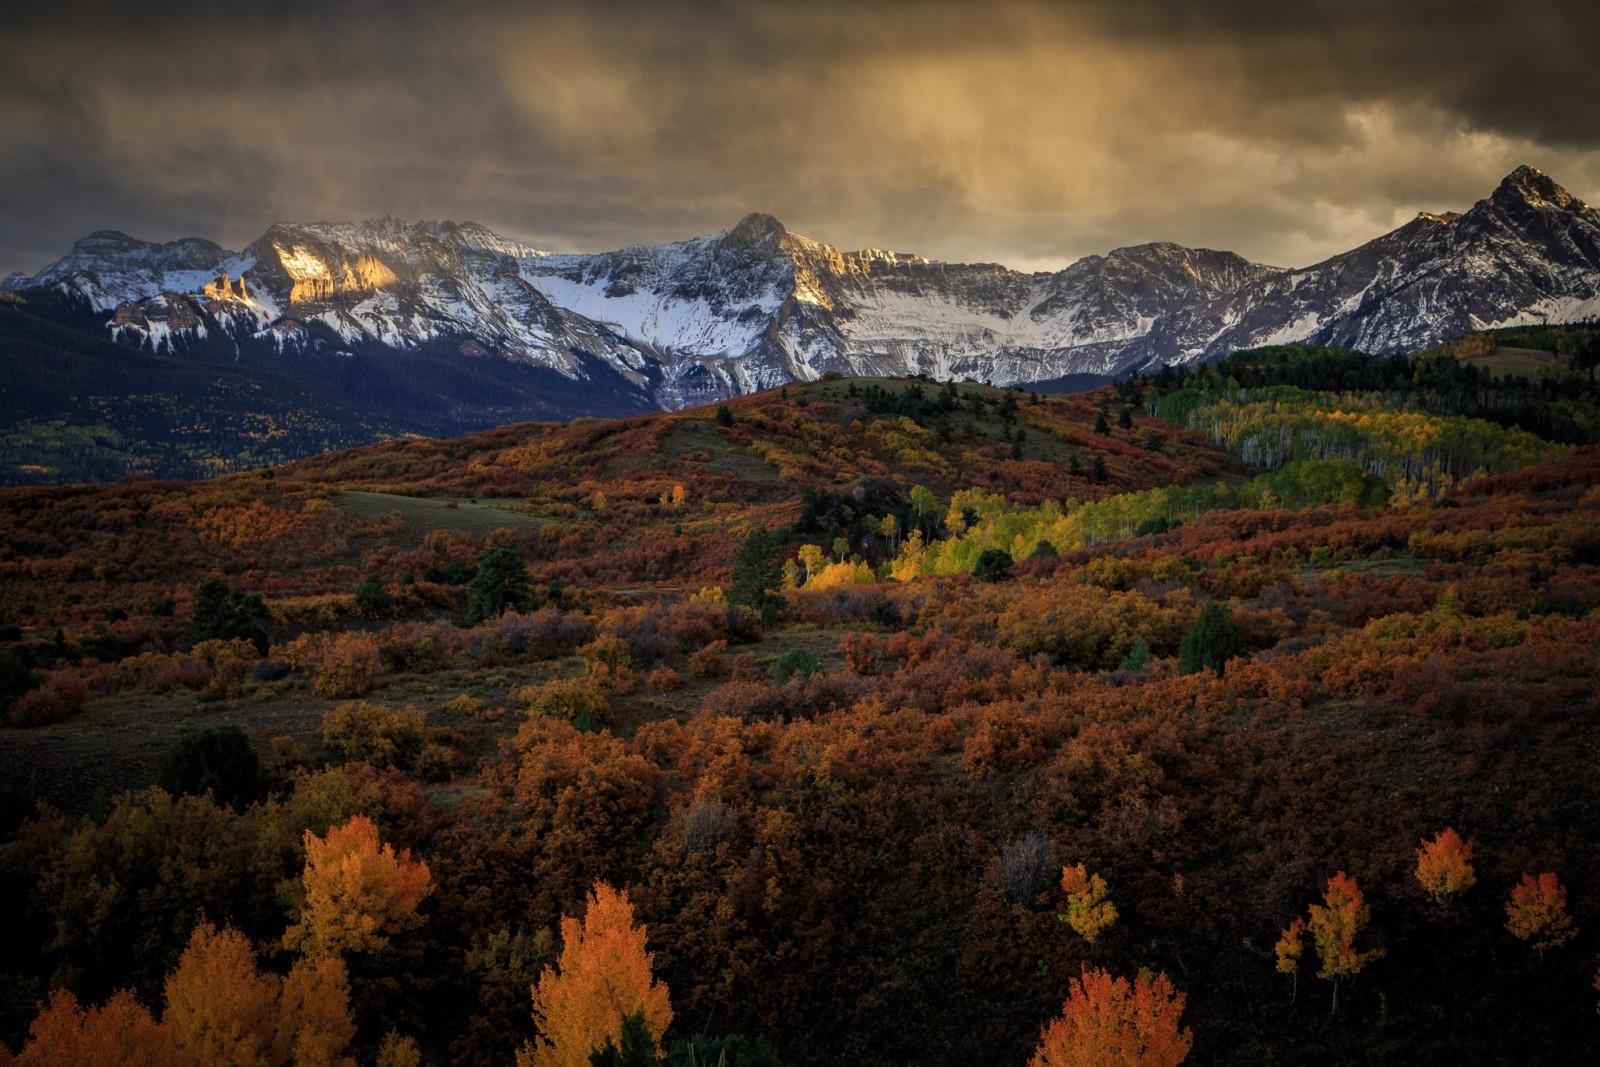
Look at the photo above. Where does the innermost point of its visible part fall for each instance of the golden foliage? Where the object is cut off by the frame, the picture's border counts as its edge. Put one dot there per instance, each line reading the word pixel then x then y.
pixel 1089 908
pixel 340 665
pixel 358 894
pixel 314 1025
pixel 1444 866
pixel 220 1008
pixel 603 975
pixel 1291 946
pixel 1537 912
pixel 1336 923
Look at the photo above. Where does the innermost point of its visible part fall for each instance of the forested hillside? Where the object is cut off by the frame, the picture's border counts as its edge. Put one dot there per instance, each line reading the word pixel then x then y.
pixel 1247 715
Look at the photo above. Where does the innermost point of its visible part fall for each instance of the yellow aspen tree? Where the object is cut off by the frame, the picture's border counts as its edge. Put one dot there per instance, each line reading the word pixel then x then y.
pixel 1334 926
pixel 602 976
pixel 1444 866
pixel 358 893
pixel 1290 947
pixel 220 1008
pixel 1089 907
pixel 811 558
pixel 1111 1022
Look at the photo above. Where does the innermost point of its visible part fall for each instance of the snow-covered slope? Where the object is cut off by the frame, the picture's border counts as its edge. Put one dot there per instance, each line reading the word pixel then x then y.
pixel 756 306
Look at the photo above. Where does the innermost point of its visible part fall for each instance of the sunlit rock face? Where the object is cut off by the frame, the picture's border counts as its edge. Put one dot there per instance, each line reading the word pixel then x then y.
pixel 757 306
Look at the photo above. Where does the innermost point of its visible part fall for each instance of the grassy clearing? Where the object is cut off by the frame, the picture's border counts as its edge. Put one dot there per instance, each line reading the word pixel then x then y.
pixel 1390 567
pixel 696 439
pixel 426 514
pixel 1520 362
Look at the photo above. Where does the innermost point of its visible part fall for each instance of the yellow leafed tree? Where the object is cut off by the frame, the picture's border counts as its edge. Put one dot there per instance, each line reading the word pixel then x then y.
pixel 603 975
pixel 1089 908
pixel 358 893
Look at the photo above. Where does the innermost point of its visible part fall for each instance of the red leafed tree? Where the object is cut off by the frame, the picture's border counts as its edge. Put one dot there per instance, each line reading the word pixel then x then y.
pixel 1537 912
pixel 1335 924
pixel 358 893
pixel 120 1031
pixel 1110 1022
pixel 1444 866
pixel 602 976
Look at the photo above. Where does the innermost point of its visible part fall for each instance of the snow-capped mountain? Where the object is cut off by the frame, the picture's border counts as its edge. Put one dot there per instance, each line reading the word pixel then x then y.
pixel 756 306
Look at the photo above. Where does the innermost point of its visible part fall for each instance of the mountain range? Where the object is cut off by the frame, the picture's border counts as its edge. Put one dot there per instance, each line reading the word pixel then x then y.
pixel 441 326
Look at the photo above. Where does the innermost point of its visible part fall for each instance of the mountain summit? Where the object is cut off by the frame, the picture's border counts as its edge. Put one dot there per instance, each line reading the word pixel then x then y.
pixel 756 305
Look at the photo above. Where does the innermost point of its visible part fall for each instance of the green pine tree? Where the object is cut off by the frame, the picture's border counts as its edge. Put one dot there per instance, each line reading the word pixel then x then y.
pixel 757 574
pixel 1213 640
pixel 500 584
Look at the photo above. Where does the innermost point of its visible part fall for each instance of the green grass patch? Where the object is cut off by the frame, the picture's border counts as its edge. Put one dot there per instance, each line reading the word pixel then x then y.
pixel 426 514
pixel 1375 567
pixel 697 441
pixel 1520 362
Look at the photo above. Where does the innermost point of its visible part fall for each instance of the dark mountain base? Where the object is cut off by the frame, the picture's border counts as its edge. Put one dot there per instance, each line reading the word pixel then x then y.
pixel 79 408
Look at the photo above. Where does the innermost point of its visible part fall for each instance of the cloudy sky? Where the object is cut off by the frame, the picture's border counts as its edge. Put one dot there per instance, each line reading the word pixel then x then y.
pixel 1025 133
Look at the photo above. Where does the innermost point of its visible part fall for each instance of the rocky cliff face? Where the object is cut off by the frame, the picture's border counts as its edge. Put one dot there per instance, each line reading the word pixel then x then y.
pixel 756 306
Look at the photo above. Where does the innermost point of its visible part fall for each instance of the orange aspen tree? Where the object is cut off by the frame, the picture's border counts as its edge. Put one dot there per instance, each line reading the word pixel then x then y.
pixel 602 976
pixel 358 893
pixel 220 1008
pixel 1537 912
pixel 1444 866
pixel 120 1031
pixel 1110 1022
pixel 1089 907
pixel 1334 926
pixel 314 1025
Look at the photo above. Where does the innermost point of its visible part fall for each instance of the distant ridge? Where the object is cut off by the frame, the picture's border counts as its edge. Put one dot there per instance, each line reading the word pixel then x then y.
pixel 756 306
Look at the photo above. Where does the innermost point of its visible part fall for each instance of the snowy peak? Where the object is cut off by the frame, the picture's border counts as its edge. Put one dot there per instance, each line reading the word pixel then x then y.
pixel 756 305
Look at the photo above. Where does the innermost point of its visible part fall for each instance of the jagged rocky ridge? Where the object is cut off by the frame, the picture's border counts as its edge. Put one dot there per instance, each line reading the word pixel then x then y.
pixel 756 306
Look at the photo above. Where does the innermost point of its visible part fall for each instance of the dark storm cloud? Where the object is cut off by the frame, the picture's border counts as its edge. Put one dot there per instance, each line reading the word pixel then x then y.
pixel 1027 133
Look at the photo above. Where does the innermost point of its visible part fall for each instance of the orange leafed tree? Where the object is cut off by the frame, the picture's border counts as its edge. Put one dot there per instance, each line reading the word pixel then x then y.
pixel 220 1008
pixel 314 1024
pixel 1444 866
pixel 120 1031
pixel 358 893
pixel 1537 912
pixel 1335 924
pixel 1110 1022
pixel 603 975
pixel 1089 907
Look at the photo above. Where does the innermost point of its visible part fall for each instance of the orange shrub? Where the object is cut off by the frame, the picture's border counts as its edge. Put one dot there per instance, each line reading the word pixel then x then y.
pixel 62 694
pixel 341 665
pixel 711 661
pixel 665 678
